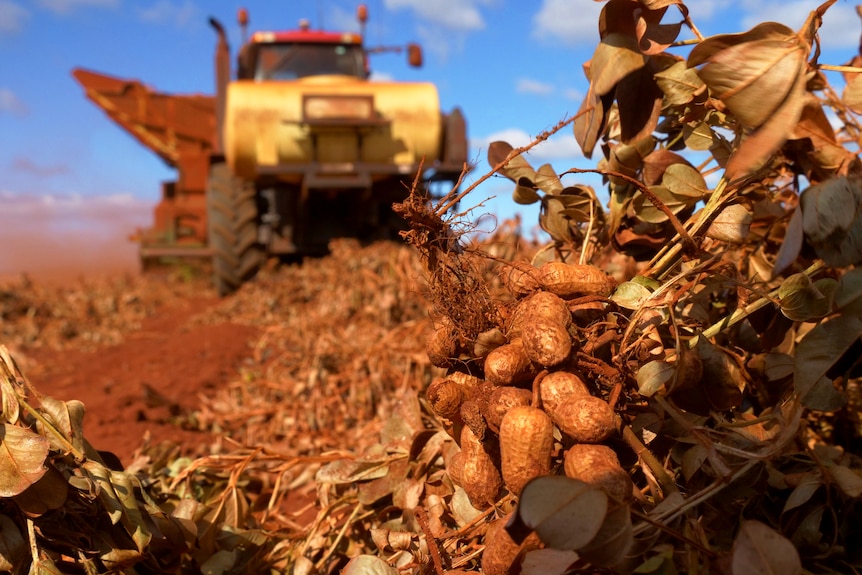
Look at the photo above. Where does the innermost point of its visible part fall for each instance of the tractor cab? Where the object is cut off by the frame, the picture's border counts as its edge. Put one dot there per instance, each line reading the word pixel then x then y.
pixel 301 53
pixel 296 54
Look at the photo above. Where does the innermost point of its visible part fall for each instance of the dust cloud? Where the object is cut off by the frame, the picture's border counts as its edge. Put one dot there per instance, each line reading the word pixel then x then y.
pixel 58 238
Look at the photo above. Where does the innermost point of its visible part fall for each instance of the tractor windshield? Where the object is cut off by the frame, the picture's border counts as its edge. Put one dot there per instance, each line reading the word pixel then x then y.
pixel 291 61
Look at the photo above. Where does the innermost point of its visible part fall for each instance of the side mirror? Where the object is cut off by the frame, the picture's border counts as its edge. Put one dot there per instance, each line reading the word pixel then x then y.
pixel 414 55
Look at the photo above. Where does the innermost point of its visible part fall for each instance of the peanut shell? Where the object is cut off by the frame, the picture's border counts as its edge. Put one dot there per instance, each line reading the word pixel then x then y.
pixel 520 278
pixel 540 305
pixel 508 364
pixel 546 342
pixel 441 345
pixel 502 556
pixel 598 465
pixel 480 477
pixel 557 386
pixel 570 280
pixel 503 399
pixel 445 397
pixel 526 442
pixel 585 418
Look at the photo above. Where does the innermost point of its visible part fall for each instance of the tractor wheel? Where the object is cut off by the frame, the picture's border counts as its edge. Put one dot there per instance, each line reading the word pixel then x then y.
pixel 232 226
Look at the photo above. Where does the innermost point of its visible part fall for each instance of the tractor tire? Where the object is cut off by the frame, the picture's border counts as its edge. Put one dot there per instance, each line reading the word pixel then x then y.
pixel 232 216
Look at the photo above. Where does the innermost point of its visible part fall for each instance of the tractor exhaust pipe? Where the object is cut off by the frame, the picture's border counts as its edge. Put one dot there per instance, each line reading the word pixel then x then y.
pixel 222 75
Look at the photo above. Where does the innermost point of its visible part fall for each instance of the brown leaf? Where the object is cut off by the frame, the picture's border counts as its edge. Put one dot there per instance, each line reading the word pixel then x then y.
pixel 22 459
pixel 758 147
pixel 657 162
pixel 830 221
pixel 639 101
pixel 760 549
pixel 653 36
pixel 615 57
pixel 590 122
pixel 754 79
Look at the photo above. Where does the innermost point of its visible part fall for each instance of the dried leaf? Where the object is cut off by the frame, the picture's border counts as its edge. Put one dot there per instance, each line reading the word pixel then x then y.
pixel 849 481
pixel 683 180
pixel 590 121
pixel 731 225
pixel 852 95
pixel 831 222
pixel 516 168
pixel 758 147
pixel 653 376
pixel 759 549
pixel 368 565
pixel 801 299
pixel 22 459
pixel 817 353
pixel 803 491
pixel 791 247
pixel 639 101
pixel 631 295
pixel 13 549
pixel 680 84
pixel 565 513
pixel 616 56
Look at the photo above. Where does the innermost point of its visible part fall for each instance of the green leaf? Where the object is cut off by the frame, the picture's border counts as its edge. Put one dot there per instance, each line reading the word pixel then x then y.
pixel 22 459
pixel 817 353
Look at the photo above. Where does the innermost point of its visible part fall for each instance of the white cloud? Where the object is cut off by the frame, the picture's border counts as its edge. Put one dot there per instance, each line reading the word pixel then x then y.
pixel 560 146
pixel 463 15
pixel 66 6
pixel 573 94
pixel 841 24
pixel 10 103
pixel 170 12
pixel 12 16
pixel 571 22
pixel 530 86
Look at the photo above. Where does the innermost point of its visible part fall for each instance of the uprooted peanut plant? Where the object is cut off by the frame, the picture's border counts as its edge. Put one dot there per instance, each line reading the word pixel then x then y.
pixel 669 385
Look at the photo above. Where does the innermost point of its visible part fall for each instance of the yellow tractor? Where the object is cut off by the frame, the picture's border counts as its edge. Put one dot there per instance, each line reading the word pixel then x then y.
pixel 299 148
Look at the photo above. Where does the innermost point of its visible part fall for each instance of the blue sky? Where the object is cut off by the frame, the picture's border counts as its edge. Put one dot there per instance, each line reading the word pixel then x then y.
pixel 513 67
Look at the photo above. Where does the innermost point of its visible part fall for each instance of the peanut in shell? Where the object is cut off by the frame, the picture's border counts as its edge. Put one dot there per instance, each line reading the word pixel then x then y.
pixel 502 556
pixel 559 385
pixel 508 364
pixel 598 465
pixel 539 306
pixel 520 278
pixel 445 397
pixel 571 280
pixel 480 477
pixel 526 443
pixel 503 399
pixel 585 418
pixel 546 343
